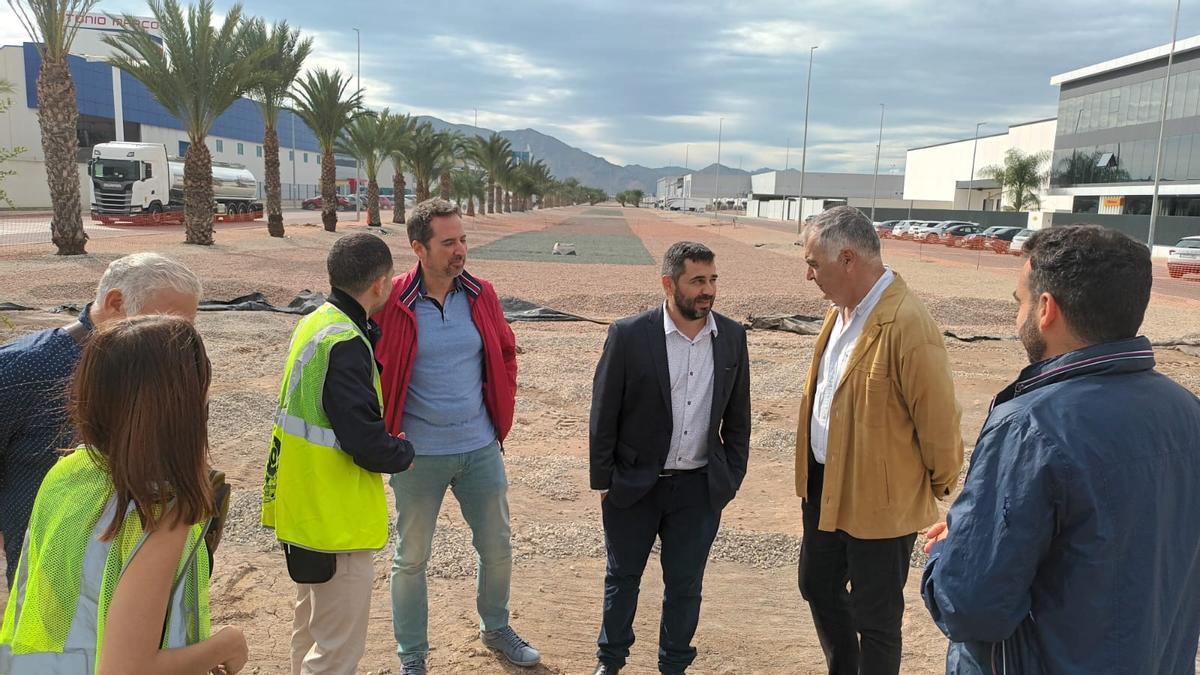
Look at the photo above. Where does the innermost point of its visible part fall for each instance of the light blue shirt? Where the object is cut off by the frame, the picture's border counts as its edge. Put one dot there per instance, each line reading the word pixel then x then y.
pixel 444 413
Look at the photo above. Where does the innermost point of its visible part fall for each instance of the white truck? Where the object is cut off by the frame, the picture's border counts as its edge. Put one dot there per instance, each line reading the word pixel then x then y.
pixel 685 204
pixel 136 181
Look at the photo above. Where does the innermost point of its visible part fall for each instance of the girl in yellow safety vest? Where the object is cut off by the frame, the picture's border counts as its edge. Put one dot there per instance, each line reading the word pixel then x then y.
pixel 133 499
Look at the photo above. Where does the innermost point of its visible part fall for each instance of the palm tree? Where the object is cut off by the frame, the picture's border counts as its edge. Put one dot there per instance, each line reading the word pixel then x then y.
pixel 423 148
pixel 431 156
pixel 368 139
pixel 282 66
pixel 48 26
pixel 541 178
pixel 505 177
pixel 400 135
pixel 521 184
pixel 196 74
pixel 325 105
pixel 492 154
pixel 453 152
pixel 1020 177
pixel 468 184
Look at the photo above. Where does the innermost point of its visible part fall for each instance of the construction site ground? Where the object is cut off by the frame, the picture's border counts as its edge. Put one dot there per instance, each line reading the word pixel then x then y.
pixel 753 619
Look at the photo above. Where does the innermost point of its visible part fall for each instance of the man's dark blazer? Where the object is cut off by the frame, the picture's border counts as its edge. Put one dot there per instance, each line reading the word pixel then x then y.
pixel 631 423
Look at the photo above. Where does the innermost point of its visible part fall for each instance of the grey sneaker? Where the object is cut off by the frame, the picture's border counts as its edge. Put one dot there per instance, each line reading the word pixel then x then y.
pixel 413 664
pixel 507 642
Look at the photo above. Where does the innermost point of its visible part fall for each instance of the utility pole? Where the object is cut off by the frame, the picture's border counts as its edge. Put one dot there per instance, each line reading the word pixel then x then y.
pixel 804 147
pixel 293 191
pixel 1162 121
pixel 878 147
pixel 357 164
pixel 717 189
pixel 971 183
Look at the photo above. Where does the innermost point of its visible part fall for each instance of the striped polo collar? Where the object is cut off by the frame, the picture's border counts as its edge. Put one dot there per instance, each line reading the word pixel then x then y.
pixel 416 287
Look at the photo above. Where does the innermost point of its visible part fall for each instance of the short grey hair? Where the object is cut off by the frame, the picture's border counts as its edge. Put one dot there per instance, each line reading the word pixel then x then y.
pixel 841 228
pixel 140 275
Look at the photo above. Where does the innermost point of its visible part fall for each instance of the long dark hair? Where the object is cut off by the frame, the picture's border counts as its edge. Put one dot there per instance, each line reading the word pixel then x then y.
pixel 139 403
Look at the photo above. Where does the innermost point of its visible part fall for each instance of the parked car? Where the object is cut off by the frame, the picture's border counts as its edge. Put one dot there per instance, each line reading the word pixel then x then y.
pixel 921 231
pixel 315 203
pixel 903 229
pixel 929 227
pixel 1017 245
pixel 884 229
pixel 955 232
pixel 980 240
pixel 1184 257
pixel 1001 241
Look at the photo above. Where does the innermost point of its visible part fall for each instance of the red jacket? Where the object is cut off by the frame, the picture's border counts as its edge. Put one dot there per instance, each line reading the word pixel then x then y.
pixel 397 349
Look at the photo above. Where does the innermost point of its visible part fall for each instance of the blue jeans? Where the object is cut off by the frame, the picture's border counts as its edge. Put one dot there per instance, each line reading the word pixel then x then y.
pixel 480 485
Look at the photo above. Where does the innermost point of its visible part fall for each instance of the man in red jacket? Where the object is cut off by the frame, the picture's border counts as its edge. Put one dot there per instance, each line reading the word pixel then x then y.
pixel 449 364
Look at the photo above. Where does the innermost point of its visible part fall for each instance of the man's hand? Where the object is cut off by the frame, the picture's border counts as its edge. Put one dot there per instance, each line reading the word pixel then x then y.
pixel 938 532
pixel 603 495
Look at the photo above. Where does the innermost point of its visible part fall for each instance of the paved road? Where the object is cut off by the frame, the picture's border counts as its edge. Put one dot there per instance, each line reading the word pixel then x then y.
pixel 33 229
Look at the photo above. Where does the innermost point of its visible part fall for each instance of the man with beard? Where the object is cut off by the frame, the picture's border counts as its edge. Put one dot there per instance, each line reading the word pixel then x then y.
pixel 878 443
pixel 1074 546
pixel 449 364
pixel 669 443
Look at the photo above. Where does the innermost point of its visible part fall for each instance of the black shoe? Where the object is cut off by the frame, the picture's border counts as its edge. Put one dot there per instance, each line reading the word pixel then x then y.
pixel 603 668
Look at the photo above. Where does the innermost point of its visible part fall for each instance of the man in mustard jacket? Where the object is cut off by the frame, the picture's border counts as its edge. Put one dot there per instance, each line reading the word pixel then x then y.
pixel 878 443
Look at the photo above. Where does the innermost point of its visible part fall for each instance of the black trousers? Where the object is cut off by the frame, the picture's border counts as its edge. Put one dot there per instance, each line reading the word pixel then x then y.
pixel 677 511
pixel 859 627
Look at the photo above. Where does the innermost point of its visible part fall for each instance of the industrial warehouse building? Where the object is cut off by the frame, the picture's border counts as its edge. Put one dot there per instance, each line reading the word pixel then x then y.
pixel 113 106
pixel 1101 150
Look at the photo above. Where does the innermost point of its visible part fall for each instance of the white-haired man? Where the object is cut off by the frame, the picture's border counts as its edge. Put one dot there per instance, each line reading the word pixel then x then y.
pixel 34 371
pixel 878 443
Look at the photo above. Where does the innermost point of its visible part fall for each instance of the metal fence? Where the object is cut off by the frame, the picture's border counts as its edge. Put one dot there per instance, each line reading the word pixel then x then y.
pixel 986 218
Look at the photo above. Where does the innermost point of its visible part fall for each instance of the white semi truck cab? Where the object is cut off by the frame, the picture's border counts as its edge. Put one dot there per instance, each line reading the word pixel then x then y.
pixel 139 178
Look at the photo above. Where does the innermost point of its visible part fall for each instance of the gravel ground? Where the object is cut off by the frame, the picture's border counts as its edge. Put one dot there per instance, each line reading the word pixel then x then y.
pixel 556 522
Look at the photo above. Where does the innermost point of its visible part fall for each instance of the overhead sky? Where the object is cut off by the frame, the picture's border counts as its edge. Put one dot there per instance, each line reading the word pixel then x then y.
pixel 646 81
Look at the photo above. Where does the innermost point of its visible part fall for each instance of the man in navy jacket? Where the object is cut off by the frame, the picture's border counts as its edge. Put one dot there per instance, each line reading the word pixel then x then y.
pixel 1075 545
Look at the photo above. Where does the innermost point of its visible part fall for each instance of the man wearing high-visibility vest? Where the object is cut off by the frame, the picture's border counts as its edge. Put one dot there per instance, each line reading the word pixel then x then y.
pixel 323 494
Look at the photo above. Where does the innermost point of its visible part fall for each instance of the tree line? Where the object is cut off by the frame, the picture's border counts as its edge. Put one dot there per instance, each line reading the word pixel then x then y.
pixel 199 70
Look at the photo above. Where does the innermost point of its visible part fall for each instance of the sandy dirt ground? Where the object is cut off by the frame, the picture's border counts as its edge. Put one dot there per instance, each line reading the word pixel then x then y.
pixel 753 619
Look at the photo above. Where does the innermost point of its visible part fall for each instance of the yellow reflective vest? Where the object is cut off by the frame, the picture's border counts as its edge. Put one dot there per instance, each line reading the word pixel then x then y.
pixel 314 495
pixel 54 621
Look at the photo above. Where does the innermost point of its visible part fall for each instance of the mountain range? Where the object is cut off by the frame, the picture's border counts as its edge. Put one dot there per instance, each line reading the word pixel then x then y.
pixel 565 161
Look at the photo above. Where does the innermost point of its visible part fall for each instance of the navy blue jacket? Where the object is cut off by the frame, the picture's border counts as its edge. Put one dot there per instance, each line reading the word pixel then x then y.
pixel 1075 545
pixel 35 373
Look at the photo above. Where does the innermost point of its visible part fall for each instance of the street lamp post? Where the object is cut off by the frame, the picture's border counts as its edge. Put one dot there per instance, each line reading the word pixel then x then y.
pixel 1162 121
pixel 717 188
pixel 878 147
pixel 971 183
pixel 804 146
pixel 294 191
pixel 682 193
pixel 358 54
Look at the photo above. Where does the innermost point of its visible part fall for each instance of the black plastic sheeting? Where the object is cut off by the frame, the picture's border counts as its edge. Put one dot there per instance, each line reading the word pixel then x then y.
pixel 304 303
pixel 811 325
pixel 307 301
pixel 516 309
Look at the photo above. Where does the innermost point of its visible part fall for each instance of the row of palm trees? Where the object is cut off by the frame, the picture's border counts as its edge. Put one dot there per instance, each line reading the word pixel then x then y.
pixel 200 69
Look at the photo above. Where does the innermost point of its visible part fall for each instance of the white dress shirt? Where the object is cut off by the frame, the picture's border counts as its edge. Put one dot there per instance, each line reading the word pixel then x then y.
pixel 690 363
pixel 832 366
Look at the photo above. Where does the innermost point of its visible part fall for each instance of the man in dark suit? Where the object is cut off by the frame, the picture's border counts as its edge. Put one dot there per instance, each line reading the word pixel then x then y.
pixel 669 443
